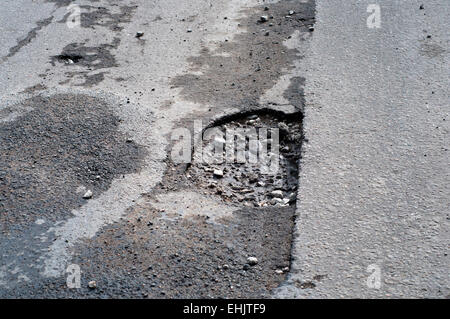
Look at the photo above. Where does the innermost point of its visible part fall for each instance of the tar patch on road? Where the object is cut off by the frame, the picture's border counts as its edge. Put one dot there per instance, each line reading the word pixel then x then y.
pixel 57 145
pixel 29 37
pixel 191 236
pixel 238 72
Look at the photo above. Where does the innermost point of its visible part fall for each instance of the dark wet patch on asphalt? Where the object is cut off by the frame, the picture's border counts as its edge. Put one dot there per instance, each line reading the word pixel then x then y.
pixel 60 143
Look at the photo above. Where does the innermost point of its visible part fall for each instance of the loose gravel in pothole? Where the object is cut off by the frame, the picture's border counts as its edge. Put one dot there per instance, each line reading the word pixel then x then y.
pixel 246 177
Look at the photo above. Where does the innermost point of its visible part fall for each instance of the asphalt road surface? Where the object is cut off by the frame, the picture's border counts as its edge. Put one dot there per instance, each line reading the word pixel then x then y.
pixel 94 94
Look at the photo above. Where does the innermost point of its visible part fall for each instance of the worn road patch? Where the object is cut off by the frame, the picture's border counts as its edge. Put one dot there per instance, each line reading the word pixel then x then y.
pixel 58 145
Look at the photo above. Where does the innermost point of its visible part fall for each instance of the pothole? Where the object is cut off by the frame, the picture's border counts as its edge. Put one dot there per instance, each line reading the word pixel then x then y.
pixel 251 158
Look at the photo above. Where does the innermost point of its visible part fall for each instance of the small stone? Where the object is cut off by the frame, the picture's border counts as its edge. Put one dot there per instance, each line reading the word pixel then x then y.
pixel 262 184
pixel 421 7
pixel 218 173
pixel 189 30
pixel 252 261
pixel 246 267
pixel 279 271
pixel 92 284
pixel 253 178
pixel 88 195
pixel 277 194
pixel 266 8
pixel 139 34
pixel 311 29
pixel 283 127
pixel 225 267
pixel 263 19
pixel 291 12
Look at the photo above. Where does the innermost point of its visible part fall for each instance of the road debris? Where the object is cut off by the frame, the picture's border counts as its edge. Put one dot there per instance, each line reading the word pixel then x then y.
pixel 88 194
pixel 252 261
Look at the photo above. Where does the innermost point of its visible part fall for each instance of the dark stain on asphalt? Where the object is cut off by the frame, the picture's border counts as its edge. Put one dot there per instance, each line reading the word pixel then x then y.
pixel 247 183
pixel 97 16
pixel 58 144
pixel 29 37
pixel 294 94
pixel 90 58
pixel 431 50
pixel 93 58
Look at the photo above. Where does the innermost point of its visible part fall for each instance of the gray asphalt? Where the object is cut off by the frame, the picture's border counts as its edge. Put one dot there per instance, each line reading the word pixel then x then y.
pixel 373 184
pixel 374 181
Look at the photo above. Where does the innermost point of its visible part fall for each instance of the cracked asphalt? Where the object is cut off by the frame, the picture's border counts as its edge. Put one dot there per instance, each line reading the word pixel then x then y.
pixel 92 108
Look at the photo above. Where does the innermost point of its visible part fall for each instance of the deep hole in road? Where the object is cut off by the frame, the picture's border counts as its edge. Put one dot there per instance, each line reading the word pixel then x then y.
pixel 263 170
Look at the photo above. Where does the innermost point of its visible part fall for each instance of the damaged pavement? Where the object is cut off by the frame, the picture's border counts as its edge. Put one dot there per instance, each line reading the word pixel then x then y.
pixel 94 94
pixel 87 177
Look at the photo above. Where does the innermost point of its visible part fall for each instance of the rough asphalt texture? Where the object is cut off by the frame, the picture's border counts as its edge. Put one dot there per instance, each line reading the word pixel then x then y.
pixel 93 107
pixel 374 180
